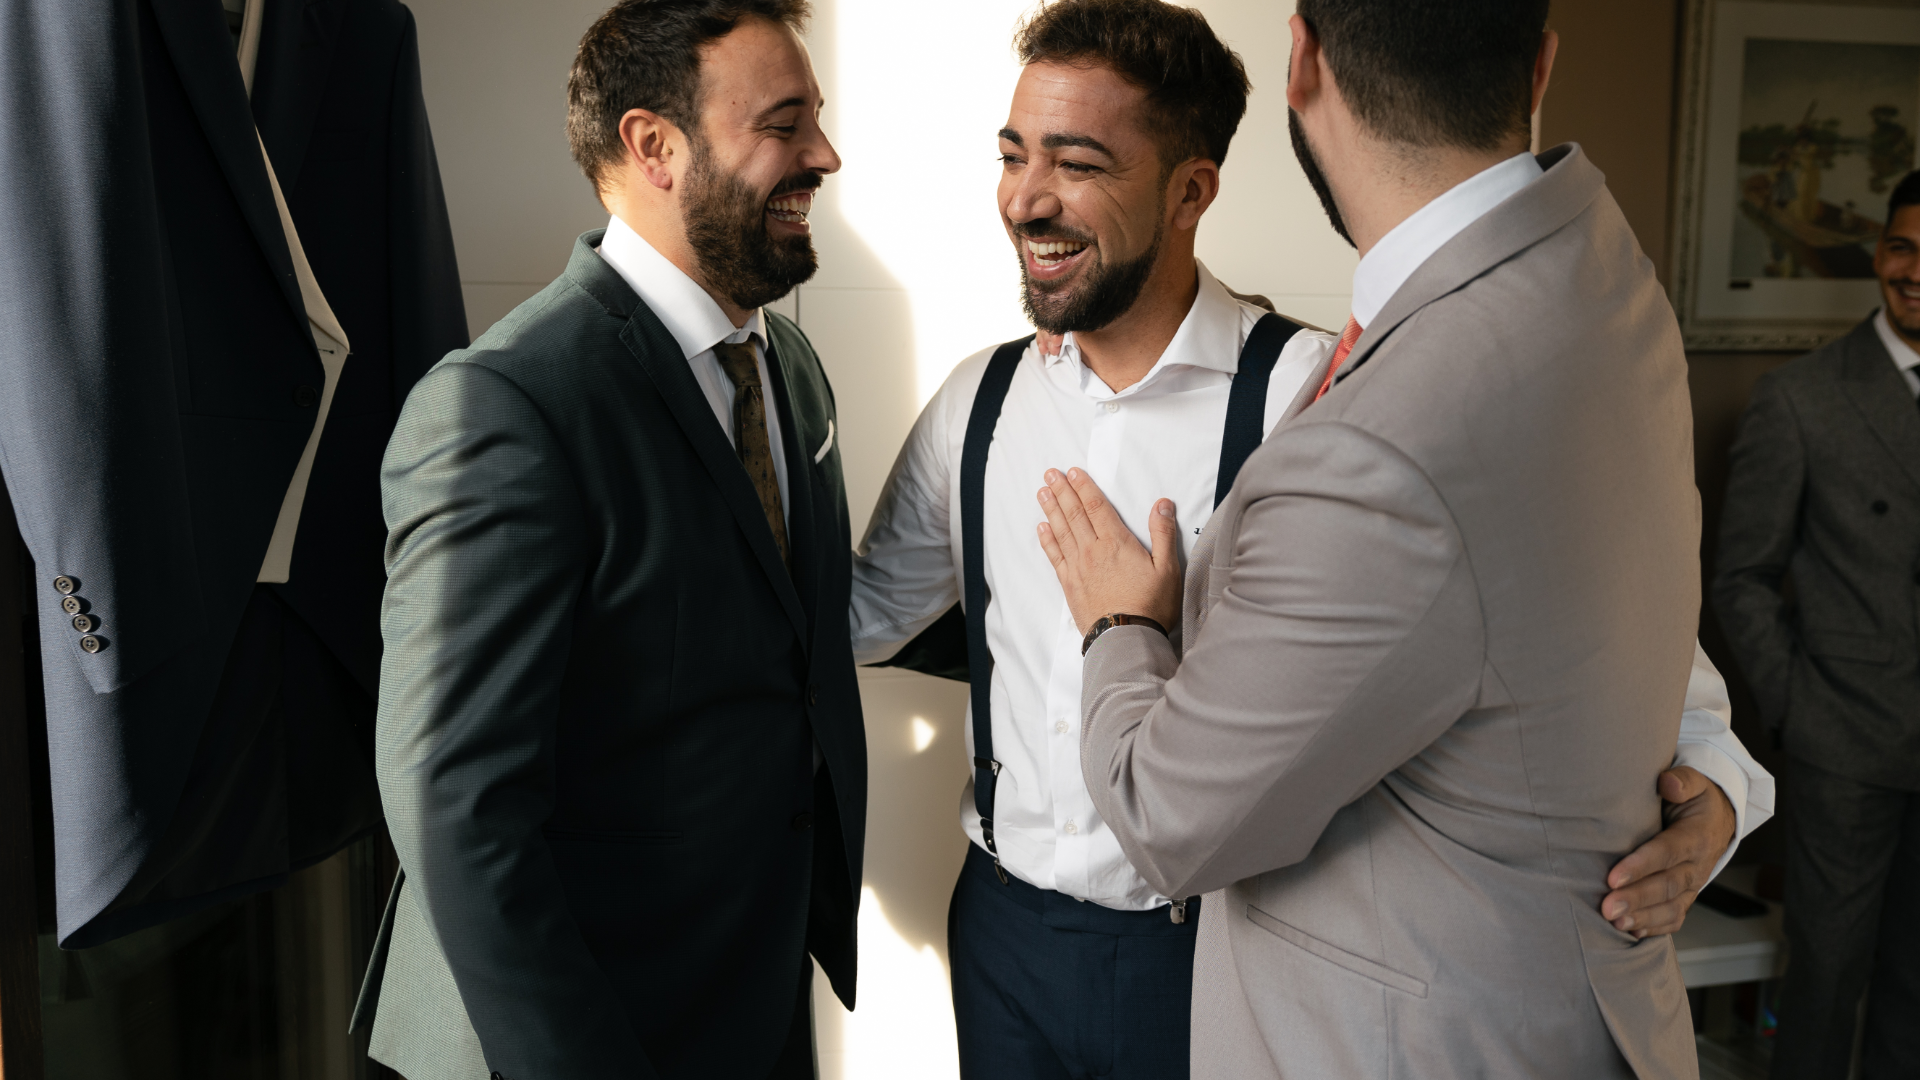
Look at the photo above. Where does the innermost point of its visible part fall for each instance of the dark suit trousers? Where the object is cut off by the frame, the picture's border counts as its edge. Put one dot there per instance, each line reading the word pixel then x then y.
pixel 1853 925
pixel 1047 987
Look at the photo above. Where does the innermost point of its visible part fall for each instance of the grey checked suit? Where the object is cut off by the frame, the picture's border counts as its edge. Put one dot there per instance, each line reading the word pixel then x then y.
pixel 1825 491
pixel 1436 643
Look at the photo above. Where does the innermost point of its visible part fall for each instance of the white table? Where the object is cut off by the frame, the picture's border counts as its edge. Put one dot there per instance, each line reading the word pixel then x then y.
pixel 1715 950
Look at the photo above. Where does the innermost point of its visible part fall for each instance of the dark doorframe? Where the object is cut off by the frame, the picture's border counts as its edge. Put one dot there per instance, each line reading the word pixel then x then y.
pixel 20 1042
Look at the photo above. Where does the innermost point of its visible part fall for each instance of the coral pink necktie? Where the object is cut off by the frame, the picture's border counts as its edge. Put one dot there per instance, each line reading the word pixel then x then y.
pixel 1347 338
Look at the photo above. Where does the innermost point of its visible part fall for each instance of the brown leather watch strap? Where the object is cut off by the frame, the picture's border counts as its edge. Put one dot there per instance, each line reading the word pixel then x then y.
pixel 1108 622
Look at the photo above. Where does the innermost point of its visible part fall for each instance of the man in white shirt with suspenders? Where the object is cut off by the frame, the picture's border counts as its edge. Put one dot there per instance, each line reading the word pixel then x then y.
pixel 1065 962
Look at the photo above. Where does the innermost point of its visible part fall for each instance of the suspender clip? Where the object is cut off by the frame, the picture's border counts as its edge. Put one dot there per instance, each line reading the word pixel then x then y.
pixel 1177 911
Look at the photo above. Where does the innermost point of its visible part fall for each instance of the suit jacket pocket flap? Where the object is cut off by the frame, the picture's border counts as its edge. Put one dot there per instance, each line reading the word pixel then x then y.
pixel 1335 955
pixel 1842 645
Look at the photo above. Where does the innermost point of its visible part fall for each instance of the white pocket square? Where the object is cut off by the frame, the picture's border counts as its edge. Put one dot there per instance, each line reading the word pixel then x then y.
pixel 820 455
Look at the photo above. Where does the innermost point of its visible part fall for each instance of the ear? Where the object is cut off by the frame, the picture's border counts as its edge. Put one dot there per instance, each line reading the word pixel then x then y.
pixel 655 146
pixel 1191 189
pixel 1543 66
pixel 1304 67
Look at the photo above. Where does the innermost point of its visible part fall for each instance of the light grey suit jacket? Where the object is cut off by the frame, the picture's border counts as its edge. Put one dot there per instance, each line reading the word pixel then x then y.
pixel 1436 644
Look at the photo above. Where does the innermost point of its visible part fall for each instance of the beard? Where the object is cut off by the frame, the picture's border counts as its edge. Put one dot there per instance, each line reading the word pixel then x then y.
pixel 726 224
pixel 1910 328
pixel 1311 166
pixel 1104 292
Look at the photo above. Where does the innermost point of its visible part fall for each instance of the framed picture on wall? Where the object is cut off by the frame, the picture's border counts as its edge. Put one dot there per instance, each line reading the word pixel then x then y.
pixel 1796 121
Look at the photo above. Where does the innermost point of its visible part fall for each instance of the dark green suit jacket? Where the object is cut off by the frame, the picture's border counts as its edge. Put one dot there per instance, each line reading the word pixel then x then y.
pixel 598 706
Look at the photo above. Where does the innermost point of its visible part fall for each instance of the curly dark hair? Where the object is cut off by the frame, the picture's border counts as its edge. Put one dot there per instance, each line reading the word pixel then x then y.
pixel 1196 87
pixel 645 54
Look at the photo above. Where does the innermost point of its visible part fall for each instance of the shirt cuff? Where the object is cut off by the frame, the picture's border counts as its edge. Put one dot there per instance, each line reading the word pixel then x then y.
pixel 1731 779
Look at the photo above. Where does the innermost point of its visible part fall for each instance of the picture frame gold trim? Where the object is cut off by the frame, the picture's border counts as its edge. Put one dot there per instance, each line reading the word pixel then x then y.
pixel 1689 207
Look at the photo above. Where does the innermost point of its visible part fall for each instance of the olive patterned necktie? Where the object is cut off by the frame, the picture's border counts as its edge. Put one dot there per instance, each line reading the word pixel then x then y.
pixel 750 435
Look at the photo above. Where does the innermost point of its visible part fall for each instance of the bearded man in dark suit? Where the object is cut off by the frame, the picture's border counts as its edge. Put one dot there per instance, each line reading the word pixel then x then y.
pixel 619 737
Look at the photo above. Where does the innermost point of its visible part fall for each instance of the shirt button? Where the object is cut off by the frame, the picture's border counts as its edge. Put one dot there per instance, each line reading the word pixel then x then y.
pixel 1071 827
pixel 1113 406
pixel 1059 727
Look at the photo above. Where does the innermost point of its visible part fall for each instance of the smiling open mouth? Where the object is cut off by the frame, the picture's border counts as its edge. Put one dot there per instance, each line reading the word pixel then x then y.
pixel 792 208
pixel 1048 254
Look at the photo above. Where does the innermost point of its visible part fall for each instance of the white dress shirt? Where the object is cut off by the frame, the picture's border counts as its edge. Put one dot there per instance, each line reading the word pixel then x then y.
pixel 1399 253
pixel 697 325
pixel 1903 355
pixel 1157 438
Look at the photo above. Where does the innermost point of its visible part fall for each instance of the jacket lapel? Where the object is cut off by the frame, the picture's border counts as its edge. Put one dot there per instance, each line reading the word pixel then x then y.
pixel 290 78
pixel 802 539
pixel 1875 387
pixel 201 48
pixel 1569 186
pixel 660 357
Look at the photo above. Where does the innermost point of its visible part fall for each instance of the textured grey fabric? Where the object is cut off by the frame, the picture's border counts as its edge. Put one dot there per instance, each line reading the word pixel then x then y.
pixel 1853 884
pixel 1825 491
pixel 421 1031
pixel 1437 640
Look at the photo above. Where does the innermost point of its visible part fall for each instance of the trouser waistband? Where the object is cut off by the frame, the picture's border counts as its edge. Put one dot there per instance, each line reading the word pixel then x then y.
pixel 1063 912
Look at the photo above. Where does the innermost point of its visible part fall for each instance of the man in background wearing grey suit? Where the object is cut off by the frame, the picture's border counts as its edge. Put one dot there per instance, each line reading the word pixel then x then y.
pixel 1825 488
pixel 619 737
pixel 1435 635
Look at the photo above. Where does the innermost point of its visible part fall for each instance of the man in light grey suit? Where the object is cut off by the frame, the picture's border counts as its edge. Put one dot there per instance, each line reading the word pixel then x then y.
pixel 1435 636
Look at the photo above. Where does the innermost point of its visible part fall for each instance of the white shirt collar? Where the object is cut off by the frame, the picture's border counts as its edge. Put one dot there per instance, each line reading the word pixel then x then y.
pixel 1903 355
pixel 1412 242
pixel 682 306
pixel 1209 337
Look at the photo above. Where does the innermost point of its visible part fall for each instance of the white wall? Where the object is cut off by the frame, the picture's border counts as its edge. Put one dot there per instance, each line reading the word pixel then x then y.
pixel 915 275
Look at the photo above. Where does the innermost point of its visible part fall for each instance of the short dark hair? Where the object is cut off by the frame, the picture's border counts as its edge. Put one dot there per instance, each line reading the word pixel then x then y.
pixel 1196 86
pixel 1433 72
pixel 1906 193
pixel 645 54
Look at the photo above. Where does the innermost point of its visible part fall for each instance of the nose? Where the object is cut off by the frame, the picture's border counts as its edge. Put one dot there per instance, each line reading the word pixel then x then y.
pixel 819 155
pixel 1032 197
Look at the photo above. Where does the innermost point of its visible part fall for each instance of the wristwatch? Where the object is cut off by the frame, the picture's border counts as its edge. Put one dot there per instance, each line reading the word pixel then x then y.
pixel 1108 622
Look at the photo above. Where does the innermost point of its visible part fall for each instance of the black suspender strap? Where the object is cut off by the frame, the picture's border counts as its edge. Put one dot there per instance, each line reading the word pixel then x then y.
pixel 1247 401
pixel 973 482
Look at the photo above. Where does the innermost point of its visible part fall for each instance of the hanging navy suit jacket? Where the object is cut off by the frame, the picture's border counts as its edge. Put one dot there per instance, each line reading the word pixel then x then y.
pixel 158 384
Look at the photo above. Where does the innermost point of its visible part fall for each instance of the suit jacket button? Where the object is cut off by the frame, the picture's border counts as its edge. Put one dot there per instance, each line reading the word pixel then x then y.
pixel 1916 577
pixel 84 623
pixel 802 822
pixel 1879 506
pixel 306 397
pixel 72 605
pixel 92 644
pixel 813 695
pixel 65 585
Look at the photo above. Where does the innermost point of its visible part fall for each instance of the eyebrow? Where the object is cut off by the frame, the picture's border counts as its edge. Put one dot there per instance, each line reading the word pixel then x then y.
pixel 1057 141
pixel 788 103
